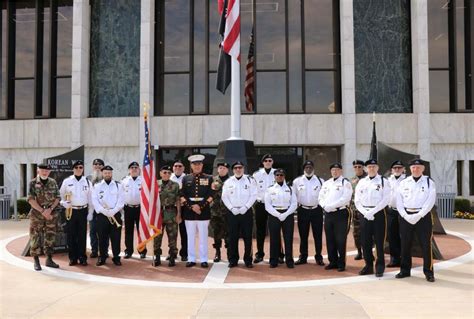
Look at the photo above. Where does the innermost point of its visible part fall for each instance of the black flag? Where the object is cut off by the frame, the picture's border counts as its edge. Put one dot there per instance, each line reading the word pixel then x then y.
pixel 224 66
pixel 373 144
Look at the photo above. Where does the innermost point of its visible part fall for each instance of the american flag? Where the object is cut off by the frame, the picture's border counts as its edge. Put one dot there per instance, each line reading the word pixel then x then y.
pixel 150 208
pixel 250 77
pixel 231 43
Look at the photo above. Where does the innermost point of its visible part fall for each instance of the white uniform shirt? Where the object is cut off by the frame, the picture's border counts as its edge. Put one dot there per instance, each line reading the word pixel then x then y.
pixel 371 196
pixel 394 183
pixel 280 198
pixel 264 181
pixel 307 191
pixel 81 192
pixel 177 179
pixel 416 196
pixel 335 194
pixel 131 190
pixel 238 193
pixel 107 198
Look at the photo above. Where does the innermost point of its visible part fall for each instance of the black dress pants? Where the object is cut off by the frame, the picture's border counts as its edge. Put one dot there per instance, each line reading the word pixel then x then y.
pixel 106 232
pixel 77 234
pixel 336 227
pixel 313 218
pixel 240 226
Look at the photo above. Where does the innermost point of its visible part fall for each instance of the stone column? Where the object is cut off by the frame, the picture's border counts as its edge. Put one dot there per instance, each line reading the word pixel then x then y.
pixel 80 69
pixel 349 151
pixel 421 93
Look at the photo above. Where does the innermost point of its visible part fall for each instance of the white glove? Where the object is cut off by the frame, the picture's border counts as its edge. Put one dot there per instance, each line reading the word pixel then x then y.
pixel 416 218
pixel 66 204
pixel 235 211
pixel 242 210
pixel 90 215
pixel 411 219
pixel 369 216
pixel 328 208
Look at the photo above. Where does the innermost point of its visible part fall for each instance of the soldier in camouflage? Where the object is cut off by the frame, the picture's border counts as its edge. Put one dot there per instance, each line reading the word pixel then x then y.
pixel 43 196
pixel 219 210
pixel 169 199
pixel 359 172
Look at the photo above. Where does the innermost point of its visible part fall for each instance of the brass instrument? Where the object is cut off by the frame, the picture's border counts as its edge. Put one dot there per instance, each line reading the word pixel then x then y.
pixel 68 197
pixel 112 219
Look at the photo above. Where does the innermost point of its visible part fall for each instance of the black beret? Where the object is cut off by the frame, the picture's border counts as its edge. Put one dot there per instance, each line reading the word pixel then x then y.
pixel 44 166
pixel 98 161
pixel 416 161
pixel 107 168
pixel 397 163
pixel 78 163
pixel 335 165
pixel 264 157
pixel 165 168
pixel 178 161
pixel 357 162
pixel 237 163
pixel 223 164
pixel 133 164
pixel 279 171
pixel 372 161
pixel 306 163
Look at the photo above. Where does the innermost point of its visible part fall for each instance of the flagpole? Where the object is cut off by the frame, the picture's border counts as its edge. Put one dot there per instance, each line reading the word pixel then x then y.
pixel 235 100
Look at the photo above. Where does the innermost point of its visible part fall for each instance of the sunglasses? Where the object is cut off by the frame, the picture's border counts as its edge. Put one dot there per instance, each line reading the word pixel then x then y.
pixel 268 161
pixel 238 167
pixel 177 165
pixel 166 172
pixel 397 167
pixel 279 175
pixel 357 166
pixel 79 167
pixel 134 167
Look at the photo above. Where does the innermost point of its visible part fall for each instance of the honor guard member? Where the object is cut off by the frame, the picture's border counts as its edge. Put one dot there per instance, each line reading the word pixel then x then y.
pixel 372 195
pixel 108 200
pixel 334 198
pixel 196 196
pixel 131 187
pixel 177 176
pixel 95 178
pixel 239 194
pixel 43 196
pixel 171 208
pixel 264 177
pixel 218 210
pixel 393 225
pixel 307 188
pixel 416 197
pixel 76 197
pixel 359 172
pixel 281 204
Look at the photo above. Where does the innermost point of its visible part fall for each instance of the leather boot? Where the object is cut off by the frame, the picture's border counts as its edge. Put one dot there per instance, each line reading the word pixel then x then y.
pixel 50 262
pixel 157 261
pixel 218 255
pixel 37 263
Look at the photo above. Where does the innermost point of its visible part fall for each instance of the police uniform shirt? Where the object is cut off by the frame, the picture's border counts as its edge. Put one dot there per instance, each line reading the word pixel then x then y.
pixel 80 190
pixel 264 181
pixel 307 190
pixel 394 184
pixel 131 190
pixel 280 198
pixel 108 199
pixel 239 192
pixel 372 195
pixel 335 194
pixel 416 196
pixel 177 179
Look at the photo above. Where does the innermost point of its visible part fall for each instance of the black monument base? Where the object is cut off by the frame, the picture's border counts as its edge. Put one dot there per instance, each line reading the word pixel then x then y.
pixel 231 151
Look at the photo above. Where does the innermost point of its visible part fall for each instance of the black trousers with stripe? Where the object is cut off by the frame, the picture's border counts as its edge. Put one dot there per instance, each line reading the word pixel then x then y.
pixel 336 227
pixel 77 234
pixel 275 229
pixel 240 225
pixel 374 231
pixel 423 230
pixel 132 220
pixel 106 232
pixel 393 234
pixel 313 218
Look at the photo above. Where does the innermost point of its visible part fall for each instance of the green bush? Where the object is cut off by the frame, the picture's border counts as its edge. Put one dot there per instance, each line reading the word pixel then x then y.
pixel 462 205
pixel 23 206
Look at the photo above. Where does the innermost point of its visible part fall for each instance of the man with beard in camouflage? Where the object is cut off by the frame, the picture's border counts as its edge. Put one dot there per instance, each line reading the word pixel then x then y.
pixel 359 172
pixel 218 210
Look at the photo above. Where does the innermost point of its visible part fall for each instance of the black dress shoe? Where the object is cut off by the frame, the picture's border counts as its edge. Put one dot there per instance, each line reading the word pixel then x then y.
pixel 172 262
pixel 204 265
pixel 72 262
pixel 94 254
pixel 232 265
pixel 328 267
pixel 430 278
pixel 37 264
pixel 100 262
pixel 127 256
pixel 340 269
pixel 273 265
pixel 320 262
pixel 290 265
pixel 379 274
pixel 393 264
pixel 258 259
pixel 249 265
pixel 156 261
pixel 359 255
pixel 401 275
pixel 190 264
pixel 281 260
pixel 168 257
pixel 83 262
pixel 367 270
pixel 117 262
pixel 142 255
pixel 301 261
pixel 184 258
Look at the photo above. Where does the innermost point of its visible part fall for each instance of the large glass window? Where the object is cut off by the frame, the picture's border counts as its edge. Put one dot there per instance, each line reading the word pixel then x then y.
pixel 297 56
pixel 36 38
pixel 450 55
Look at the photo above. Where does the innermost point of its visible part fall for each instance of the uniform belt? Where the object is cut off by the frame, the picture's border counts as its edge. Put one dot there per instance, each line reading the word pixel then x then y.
pixel 132 206
pixel 369 206
pixel 308 207
pixel 79 207
pixel 393 208
pixel 280 208
pixel 412 210
pixel 196 199
pixel 341 208
pixel 168 206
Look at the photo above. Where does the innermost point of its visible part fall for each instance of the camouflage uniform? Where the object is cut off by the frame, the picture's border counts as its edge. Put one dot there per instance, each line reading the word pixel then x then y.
pixel 45 195
pixel 169 194
pixel 355 214
pixel 218 214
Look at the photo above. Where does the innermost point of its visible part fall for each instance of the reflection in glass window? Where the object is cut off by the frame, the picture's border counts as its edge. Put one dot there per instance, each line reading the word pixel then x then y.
pixel 439 91
pixel 24 99
pixel 271 92
pixel 176 94
pixel 63 98
pixel 438 33
pixel 24 19
pixel 177 19
pixel 320 92
pixel 46 59
pixel 64 50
